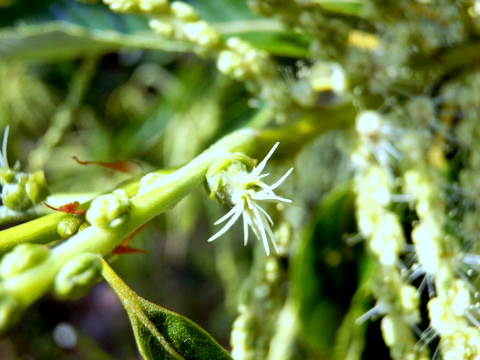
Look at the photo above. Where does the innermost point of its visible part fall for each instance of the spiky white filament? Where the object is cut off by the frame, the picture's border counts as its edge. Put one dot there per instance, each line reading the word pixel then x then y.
pixel 245 203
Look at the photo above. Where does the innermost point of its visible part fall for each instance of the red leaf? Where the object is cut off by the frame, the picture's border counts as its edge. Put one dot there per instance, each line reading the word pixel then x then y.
pixel 123 166
pixel 70 208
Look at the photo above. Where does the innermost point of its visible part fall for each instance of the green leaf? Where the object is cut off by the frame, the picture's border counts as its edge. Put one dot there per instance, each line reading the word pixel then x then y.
pixel 42 42
pixel 348 7
pixel 160 333
pixel 324 271
pixel 92 16
pixel 278 43
pixel 221 10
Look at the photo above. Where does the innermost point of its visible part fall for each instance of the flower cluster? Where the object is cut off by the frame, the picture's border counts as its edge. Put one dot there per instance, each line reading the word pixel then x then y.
pixel 243 190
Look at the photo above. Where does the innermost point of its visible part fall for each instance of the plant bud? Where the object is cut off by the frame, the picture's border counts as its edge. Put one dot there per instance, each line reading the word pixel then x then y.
pixel 69 226
pixel 77 276
pixel 23 257
pixel 109 210
pixel 21 191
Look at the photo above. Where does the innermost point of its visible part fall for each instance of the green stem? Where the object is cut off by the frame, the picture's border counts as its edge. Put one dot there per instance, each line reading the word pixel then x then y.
pixel 44 229
pixel 310 125
pixel 9 216
pixel 28 286
pixel 292 137
pixel 159 197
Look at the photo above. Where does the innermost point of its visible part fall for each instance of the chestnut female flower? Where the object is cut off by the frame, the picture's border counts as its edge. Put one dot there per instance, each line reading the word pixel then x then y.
pixel 243 190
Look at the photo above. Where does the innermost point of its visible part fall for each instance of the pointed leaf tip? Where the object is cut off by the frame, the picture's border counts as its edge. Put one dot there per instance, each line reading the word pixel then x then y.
pixel 163 334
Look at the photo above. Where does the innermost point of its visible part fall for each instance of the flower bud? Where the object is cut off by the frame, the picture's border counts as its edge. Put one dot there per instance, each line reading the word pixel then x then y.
pixel 77 276
pixel 109 210
pixel 153 6
pixel 69 226
pixel 162 28
pixel 21 191
pixel 150 6
pixel 202 33
pixel 36 187
pixel 23 257
pixel 14 194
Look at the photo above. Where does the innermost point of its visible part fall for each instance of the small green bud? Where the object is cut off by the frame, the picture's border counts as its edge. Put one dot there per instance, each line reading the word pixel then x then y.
pixel 69 226
pixel 14 194
pixel 10 311
pixel 77 276
pixel 109 210
pixel 22 191
pixel 36 187
pixel 23 257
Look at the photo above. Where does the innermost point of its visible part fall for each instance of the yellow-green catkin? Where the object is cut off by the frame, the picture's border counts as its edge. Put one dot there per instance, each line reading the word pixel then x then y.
pixel 460 335
pixel 382 230
pixel 259 305
pixel 438 254
pixel 235 58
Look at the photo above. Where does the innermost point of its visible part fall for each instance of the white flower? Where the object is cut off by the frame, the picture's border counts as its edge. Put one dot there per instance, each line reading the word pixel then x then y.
pixel 244 191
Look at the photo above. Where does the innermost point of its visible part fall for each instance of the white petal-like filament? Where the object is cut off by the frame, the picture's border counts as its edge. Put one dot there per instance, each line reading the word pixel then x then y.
pixel 245 197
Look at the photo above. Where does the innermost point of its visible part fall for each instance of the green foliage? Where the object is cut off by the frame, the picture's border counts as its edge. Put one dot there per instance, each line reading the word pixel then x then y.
pixel 322 271
pixel 163 334
pixel 41 42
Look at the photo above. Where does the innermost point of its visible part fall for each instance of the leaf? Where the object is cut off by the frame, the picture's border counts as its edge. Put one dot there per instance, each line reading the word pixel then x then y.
pixel 163 334
pixel 347 7
pixel 160 333
pixel 278 43
pixel 42 42
pixel 324 271
pixel 222 11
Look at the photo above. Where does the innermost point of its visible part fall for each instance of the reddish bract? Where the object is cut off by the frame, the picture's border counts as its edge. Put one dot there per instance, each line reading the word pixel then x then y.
pixel 124 249
pixel 123 166
pixel 70 208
